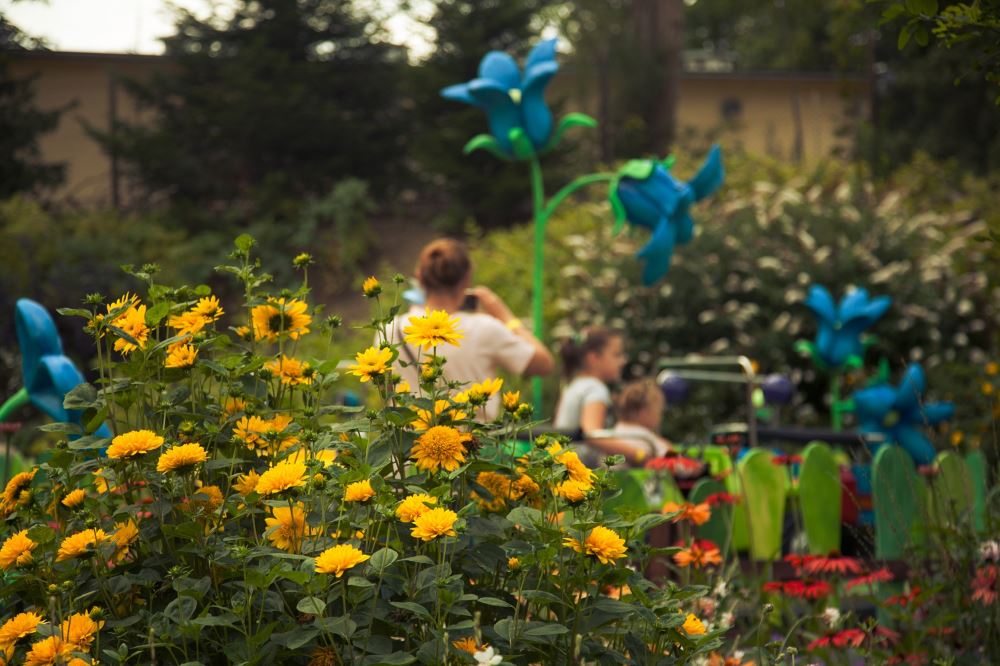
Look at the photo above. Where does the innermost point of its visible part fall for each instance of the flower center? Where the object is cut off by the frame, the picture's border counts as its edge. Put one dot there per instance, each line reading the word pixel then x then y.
pixel 515 94
pixel 278 322
pixel 891 419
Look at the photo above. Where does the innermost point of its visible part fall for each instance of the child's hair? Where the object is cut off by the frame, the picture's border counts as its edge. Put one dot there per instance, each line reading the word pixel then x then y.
pixel 637 396
pixel 443 264
pixel 574 350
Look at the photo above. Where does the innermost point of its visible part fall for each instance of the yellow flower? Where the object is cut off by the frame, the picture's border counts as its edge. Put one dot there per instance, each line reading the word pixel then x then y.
pixel 441 447
pixel 16 550
pixel 132 322
pixel 247 483
pixel 291 371
pixel 233 406
pixel 511 399
pixel 265 435
pixel 433 329
pixel 987 388
pixel 371 363
pixel 188 324
pixel 17 627
pixel 572 491
pixel 359 491
pixel 403 387
pixel 210 503
pixel 371 287
pixel 602 543
pixel 79 630
pixel 17 484
pixel 693 626
pixel 484 389
pixel 76 545
pixel 134 443
pixel 281 477
pixel 468 644
pixel 278 317
pixel 500 487
pixel 100 481
pixel 181 458
pixel 434 523
pixel 180 356
pixel 414 506
pixel 208 307
pixel 992 368
pixel 124 536
pixel 957 437
pixel 49 652
pixel 513 562
pixel 288 527
pixel 338 559
pixel 443 409
pixel 575 468
pixel 74 498
pixel 525 486
pixel 325 456
pixel 242 331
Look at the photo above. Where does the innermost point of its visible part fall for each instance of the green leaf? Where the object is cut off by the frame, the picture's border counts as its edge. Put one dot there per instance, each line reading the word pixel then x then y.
pixel 648 521
pixel 617 207
pixel 394 659
pixel 180 610
pixel 311 606
pixel 89 443
pixel 523 148
pixel 488 143
pixel 224 620
pixel 68 428
pixel 340 626
pixel 81 397
pixel 381 560
pixel 921 36
pixel 493 601
pixel 567 122
pixel 637 169
pixel 416 609
pixel 540 629
pixel 359 581
pixel 904 36
pixel 74 312
pixel 155 314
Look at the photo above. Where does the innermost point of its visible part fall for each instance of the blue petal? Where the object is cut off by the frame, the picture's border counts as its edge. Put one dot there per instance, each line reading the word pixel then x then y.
pixel 821 303
pixel 936 412
pixel 640 207
pixel 853 304
pixel 658 253
pixel 459 93
pixel 911 389
pixel 55 377
pixel 668 192
pixel 710 175
pixel 36 336
pixel 501 111
pixel 544 51
pixel 535 112
pixel 826 343
pixel 501 68
pixel 915 443
pixel 869 313
pixel 873 403
pixel 685 227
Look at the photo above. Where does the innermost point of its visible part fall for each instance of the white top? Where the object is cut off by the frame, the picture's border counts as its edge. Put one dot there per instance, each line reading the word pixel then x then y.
pixel 656 446
pixel 487 347
pixel 579 392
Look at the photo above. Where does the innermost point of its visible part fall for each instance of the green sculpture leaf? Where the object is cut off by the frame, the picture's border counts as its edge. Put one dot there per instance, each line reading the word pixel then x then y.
pixel 485 142
pixel 523 148
pixel 567 122
pixel 638 169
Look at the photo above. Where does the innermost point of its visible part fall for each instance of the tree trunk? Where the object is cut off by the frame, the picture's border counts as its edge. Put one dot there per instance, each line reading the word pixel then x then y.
pixel 659 37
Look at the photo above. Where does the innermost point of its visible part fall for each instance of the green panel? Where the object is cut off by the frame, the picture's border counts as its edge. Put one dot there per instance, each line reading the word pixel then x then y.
pixel 952 493
pixel 721 464
pixel 976 463
pixel 633 495
pixel 718 528
pixel 896 496
pixel 667 492
pixel 820 498
pixel 764 488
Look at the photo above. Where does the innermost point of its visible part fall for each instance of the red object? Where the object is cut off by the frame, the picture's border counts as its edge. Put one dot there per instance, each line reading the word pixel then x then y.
pixel 833 564
pixel 722 498
pixel 903 600
pixel 887 634
pixel 787 460
pixel 882 575
pixel 806 589
pixel 984 586
pixel 849 637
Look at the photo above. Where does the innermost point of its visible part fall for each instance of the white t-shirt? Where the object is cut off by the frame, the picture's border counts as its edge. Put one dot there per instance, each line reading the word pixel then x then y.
pixel 487 346
pixel 656 446
pixel 579 392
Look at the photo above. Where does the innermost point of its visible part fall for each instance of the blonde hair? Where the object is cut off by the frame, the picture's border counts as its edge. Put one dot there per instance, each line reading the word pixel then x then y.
pixel 637 396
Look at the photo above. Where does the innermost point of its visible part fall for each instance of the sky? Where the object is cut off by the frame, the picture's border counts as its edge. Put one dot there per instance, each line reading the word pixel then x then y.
pixel 135 26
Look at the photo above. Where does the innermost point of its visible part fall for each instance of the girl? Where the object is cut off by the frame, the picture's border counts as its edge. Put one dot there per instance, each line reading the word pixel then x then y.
pixel 639 408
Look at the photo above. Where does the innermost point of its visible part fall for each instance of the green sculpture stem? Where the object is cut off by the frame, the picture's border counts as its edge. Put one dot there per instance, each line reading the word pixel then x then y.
pixel 13 403
pixel 542 212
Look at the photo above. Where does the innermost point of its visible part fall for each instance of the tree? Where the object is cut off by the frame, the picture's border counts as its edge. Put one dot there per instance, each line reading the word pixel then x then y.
pixel 276 103
pixel 21 124
pixel 477 185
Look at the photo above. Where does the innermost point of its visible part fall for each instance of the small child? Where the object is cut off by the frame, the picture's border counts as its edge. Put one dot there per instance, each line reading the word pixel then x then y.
pixel 640 407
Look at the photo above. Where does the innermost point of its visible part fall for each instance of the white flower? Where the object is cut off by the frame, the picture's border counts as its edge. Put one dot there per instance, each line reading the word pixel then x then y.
pixel 738 655
pixel 990 550
pixel 720 590
pixel 488 657
pixel 726 619
pixel 831 616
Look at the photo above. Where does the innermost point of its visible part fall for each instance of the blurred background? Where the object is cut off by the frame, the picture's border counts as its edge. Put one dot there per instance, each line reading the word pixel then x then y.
pixel 862 142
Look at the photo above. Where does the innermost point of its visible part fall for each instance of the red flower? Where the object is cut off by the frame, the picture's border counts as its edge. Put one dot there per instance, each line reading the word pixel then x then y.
pixel 798 561
pixel 814 589
pixel 821 642
pixel 722 498
pixel 849 637
pixel 676 465
pixel 882 575
pixel 774 586
pixel 833 564
pixel 787 460
pixel 984 585
pixel 903 600
pixel 817 590
pixel 887 634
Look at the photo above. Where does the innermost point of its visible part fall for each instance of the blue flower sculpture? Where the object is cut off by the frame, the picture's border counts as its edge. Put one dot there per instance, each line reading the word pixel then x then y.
pixel 899 415
pixel 520 120
pixel 838 340
pixel 647 195
pixel 48 374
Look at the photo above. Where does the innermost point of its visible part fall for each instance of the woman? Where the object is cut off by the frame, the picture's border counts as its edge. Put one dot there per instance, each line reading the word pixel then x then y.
pixel 493 338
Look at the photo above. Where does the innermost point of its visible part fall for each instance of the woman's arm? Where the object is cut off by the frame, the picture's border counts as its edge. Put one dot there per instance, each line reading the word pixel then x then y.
pixel 542 362
pixel 592 419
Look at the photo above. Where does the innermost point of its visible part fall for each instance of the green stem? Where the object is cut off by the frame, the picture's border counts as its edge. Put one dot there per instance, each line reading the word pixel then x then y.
pixel 836 420
pixel 572 187
pixel 13 403
pixel 541 218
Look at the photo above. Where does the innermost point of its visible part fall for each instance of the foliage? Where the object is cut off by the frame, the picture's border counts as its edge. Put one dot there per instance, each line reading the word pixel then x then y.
pixel 238 516
pixel 738 287
pixel 279 101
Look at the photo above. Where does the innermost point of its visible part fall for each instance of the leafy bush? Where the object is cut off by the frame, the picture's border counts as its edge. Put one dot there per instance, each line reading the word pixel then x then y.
pixel 238 516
